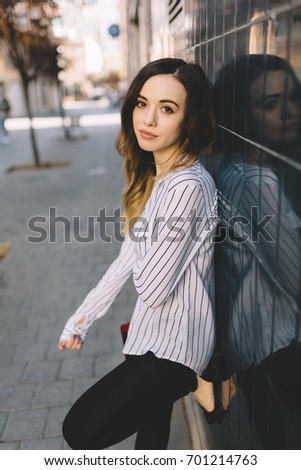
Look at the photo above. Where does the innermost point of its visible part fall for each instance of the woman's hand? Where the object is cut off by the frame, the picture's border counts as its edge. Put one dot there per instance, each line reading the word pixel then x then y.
pixel 74 342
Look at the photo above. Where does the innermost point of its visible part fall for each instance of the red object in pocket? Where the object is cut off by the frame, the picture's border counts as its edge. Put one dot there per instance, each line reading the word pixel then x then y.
pixel 124 328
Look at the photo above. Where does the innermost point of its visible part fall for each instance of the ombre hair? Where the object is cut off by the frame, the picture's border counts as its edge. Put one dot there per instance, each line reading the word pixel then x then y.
pixel 198 131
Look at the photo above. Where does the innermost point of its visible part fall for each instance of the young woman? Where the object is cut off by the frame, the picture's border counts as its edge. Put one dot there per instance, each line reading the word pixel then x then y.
pixel 170 207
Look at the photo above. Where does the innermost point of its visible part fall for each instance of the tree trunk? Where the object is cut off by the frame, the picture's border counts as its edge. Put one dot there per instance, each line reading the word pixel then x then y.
pixel 32 131
pixel 61 108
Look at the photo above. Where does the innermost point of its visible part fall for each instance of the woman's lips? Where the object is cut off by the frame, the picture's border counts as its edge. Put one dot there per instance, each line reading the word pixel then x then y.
pixel 147 135
pixel 292 127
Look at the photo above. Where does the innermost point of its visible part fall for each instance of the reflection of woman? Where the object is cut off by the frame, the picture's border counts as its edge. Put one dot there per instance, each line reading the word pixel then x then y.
pixel 260 253
pixel 167 119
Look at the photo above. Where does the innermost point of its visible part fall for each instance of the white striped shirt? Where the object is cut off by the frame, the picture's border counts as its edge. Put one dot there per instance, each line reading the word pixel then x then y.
pixel 170 256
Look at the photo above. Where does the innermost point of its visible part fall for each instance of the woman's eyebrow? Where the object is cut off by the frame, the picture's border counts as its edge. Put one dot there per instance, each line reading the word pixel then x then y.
pixel 161 101
pixel 169 101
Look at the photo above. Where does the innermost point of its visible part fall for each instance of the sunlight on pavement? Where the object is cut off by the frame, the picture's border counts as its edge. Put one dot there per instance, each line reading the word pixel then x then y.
pixel 109 119
pixel 101 170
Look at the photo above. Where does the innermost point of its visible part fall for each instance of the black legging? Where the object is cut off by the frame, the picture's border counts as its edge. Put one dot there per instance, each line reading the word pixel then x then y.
pixel 137 396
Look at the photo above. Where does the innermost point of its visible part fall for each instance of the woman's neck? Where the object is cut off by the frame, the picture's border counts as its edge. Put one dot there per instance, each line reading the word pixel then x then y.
pixel 164 162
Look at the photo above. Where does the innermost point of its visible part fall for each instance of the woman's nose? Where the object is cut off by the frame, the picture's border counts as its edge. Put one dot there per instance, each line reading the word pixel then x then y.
pixel 150 117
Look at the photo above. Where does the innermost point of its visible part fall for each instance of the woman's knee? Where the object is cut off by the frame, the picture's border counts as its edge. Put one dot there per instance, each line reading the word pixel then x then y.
pixel 73 432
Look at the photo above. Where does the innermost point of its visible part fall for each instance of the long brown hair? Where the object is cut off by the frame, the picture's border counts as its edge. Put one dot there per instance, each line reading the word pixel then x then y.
pixel 198 130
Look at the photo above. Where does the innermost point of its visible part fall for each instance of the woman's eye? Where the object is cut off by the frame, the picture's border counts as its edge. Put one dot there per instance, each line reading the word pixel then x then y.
pixel 140 104
pixel 270 104
pixel 167 109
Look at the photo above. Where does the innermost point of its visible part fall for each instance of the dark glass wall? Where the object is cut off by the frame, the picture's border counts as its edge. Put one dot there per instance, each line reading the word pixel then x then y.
pixel 250 50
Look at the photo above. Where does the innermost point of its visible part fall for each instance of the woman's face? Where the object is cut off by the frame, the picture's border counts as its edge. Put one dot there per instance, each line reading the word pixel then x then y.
pixel 275 109
pixel 158 116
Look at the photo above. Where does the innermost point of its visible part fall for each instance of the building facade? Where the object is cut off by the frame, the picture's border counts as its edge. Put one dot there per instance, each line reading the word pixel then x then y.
pixel 250 52
pixel 90 51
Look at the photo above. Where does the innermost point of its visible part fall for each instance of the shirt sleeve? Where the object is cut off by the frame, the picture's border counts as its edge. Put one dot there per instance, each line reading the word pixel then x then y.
pixel 189 219
pixel 99 299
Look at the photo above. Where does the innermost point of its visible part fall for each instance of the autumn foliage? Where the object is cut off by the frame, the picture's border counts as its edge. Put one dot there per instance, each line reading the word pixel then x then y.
pixel 27 39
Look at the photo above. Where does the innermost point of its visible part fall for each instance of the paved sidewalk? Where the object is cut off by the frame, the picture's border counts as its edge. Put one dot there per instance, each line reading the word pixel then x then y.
pixel 41 284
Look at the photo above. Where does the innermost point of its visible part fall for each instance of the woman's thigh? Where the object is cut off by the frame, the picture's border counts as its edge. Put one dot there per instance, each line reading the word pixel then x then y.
pixel 118 404
pixel 103 415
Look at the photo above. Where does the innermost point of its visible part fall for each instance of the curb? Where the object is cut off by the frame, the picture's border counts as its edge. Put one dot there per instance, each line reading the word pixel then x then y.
pixel 196 424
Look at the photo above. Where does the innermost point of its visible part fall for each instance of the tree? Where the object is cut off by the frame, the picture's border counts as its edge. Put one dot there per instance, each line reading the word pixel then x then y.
pixel 27 39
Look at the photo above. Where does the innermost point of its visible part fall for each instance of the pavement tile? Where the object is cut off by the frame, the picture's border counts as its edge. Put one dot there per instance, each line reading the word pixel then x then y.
pixel 42 444
pixel 49 333
pixel 3 419
pixel 9 445
pixel 26 335
pixel 52 393
pixel 55 420
pixel 45 371
pixel 11 374
pixel 7 351
pixel 25 424
pixel 17 397
pixel 76 367
pixel 30 353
